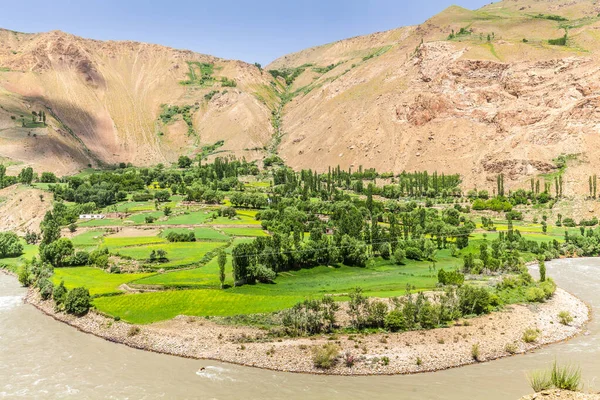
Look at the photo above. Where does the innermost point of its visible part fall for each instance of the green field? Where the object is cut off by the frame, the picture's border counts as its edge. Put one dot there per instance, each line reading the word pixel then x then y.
pixel 382 278
pixel 202 234
pixel 101 222
pixel 88 240
pixel 145 308
pixel 29 251
pixel 179 254
pixel 117 242
pixel 96 280
pixel 192 218
pixel 141 218
pixel 252 232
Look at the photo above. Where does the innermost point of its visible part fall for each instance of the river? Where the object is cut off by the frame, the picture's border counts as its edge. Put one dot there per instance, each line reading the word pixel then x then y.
pixel 43 358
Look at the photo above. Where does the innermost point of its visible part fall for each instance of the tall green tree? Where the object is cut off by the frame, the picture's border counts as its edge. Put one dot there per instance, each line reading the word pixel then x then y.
pixel 26 175
pixel 542 271
pixel 2 175
pixel 222 260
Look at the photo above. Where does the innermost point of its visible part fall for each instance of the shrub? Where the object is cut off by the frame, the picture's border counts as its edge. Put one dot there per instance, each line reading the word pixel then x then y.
pixel 349 359
pixel 134 330
pixel 412 253
pixel 46 288
pixel 181 237
pixel 535 295
pixel 395 321
pixel 565 317
pixel 450 278
pixel 511 348
pixel 569 222
pixel 530 335
pixel 326 356
pixel 385 250
pixel 558 42
pixel 473 300
pixel 59 294
pixel 78 301
pixel 549 287
pixel 78 259
pixel 24 276
pixel 399 256
pixel 565 378
pixel 539 381
pixel 261 273
pixel 378 311
pixel 10 245
pixel 475 351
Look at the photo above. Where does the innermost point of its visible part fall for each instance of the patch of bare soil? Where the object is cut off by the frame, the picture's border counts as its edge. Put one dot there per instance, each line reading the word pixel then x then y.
pixel 22 208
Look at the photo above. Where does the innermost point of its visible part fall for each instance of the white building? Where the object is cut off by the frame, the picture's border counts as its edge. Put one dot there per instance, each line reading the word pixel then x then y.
pixel 91 216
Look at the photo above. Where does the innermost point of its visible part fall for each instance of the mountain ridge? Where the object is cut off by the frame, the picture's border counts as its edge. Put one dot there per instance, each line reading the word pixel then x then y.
pixel 475 92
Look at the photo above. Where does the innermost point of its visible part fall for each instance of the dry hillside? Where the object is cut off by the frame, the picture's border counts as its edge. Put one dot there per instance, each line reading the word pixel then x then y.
pixel 104 100
pixel 496 98
pixel 474 92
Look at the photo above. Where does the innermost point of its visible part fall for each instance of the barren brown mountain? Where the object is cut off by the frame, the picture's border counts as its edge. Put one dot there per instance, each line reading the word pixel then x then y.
pixel 504 89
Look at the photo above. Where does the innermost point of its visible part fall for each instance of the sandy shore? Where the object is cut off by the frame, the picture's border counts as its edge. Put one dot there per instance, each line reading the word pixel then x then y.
pixel 408 352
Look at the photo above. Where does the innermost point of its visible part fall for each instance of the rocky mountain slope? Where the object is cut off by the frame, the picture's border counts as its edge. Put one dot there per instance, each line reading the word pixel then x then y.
pixel 474 92
pixel 496 90
pixel 108 102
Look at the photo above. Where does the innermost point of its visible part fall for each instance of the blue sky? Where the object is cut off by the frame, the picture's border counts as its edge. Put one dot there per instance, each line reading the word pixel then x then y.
pixel 253 31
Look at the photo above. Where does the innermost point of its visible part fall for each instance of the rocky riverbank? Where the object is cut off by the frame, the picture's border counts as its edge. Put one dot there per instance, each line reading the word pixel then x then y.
pixel 556 394
pixel 499 334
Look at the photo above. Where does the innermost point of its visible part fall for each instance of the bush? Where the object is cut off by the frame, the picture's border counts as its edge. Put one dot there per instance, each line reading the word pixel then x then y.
pixel 46 288
pixel 511 348
pixel 134 330
pixel 412 253
pixel 326 356
pixel 565 378
pixel 539 381
pixel 59 294
pixel 565 317
pixel 10 245
pixel 78 259
pixel 530 335
pixel 142 197
pixel 473 300
pixel 378 311
pixel 400 256
pixel 78 301
pixel 395 321
pixel 569 222
pixel 450 278
pixel 549 287
pixel 535 295
pixel 349 359
pixel 385 250
pixel 24 276
pixel 181 237
pixel 475 351
pixel 514 215
pixel 261 273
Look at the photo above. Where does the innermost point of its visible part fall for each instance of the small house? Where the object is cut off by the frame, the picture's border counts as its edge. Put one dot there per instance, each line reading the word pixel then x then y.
pixel 91 216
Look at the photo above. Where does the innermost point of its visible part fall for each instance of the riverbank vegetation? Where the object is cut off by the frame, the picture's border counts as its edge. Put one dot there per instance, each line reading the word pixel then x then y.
pixel 405 251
